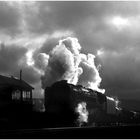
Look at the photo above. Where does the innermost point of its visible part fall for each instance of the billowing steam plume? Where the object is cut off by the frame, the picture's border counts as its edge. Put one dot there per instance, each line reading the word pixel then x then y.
pixel 65 62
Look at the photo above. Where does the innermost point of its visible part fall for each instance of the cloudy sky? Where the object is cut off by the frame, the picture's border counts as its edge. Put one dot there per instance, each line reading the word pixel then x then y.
pixel 109 30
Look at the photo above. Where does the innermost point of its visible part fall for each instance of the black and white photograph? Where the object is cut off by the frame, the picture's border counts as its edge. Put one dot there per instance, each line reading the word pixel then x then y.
pixel 69 69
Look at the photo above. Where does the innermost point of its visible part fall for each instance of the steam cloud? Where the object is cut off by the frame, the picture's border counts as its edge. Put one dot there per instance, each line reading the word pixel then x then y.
pixel 65 62
pixel 83 113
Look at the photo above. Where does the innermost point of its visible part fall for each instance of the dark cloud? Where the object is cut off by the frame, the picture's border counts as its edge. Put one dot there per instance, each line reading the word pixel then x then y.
pixel 70 13
pixel 9 57
pixel 9 18
pixel 120 71
pixel 61 15
pixel 54 15
pixel 89 20
pixel 12 59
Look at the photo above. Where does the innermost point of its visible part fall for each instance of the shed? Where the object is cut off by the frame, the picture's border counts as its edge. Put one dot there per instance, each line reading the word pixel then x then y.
pixel 13 89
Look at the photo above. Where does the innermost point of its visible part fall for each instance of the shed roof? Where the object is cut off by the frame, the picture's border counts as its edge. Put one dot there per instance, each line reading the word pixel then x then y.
pixel 6 81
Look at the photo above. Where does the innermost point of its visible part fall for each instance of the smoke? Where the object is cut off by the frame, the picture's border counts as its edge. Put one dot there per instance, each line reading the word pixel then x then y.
pixel 65 62
pixel 42 61
pixel 90 77
pixel 83 113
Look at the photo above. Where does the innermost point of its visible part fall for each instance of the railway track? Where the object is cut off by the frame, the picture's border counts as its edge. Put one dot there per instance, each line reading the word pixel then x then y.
pixel 124 131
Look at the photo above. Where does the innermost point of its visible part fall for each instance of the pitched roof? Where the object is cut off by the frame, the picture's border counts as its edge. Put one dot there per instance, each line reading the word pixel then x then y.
pixel 15 82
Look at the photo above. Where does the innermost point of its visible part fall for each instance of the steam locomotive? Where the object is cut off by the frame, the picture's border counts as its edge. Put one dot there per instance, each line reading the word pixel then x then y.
pixel 76 105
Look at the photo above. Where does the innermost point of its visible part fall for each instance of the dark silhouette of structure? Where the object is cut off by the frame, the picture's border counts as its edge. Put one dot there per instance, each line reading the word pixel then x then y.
pixel 14 89
pixel 62 100
pixel 66 105
pixel 15 100
pixel 74 105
